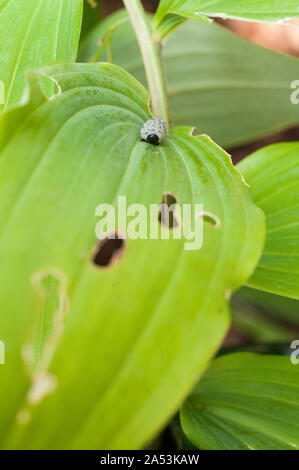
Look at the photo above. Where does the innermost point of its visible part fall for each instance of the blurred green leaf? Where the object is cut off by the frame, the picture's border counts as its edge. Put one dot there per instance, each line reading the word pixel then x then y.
pixel 92 13
pixel 265 317
pixel 135 330
pixel 34 33
pixel 276 349
pixel 245 401
pixel 273 176
pixel 172 12
pixel 279 307
pixel 90 46
pixel 227 87
pixel 256 327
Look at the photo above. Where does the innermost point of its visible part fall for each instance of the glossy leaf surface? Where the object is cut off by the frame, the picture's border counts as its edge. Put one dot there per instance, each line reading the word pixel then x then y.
pixel 34 33
pixel 124 336
pixel 272 174
pixel 245 401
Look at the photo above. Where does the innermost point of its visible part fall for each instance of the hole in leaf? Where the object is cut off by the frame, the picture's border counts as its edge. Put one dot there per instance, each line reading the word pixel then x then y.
pixel 50 285
pixel 210 218
pixel 109 250
pixel 167 215
pixel 194 132
pixel 50 86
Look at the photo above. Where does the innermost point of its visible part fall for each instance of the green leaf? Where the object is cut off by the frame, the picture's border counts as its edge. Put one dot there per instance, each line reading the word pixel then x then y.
pixel 227 87
pixel 272 349
pixel 257 327
pixel 279 307
pixel 272 174
pixel 131 334
pixel 32 34
pixel 245 401
pixel 172 12
pixel 264 317
pixel 92 12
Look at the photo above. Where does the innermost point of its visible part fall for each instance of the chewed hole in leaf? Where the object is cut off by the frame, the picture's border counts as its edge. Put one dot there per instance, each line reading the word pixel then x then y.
pixel 109 250
pixel 167 215
pixel 50 285
pixel 209 218
pixel 50 86
pixel 194 132
pixel 43 384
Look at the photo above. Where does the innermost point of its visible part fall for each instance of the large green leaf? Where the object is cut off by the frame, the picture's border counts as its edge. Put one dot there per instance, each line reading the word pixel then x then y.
pixel 245 401
pixel 32 34
pixel 227 87
pixel 272 174
pixel 172 12
pixel 139 333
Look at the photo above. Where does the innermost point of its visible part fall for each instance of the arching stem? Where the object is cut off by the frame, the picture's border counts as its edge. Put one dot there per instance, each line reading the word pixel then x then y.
pixel 150 51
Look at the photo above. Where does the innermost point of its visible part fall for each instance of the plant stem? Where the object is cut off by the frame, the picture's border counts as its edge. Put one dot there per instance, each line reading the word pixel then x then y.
pixel 150 51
